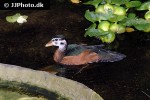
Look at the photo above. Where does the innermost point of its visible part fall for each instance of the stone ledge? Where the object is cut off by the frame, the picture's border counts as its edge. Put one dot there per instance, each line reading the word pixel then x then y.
pixel 65 87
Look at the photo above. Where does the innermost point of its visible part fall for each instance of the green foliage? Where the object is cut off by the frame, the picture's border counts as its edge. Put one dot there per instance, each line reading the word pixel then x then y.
pixel 93 16
pixel 144 6
pixel 92 31
pixel 119 2
pixel 94 2
pixel 13 18
pixel 113 16
pixel 138 23
pixel 133 4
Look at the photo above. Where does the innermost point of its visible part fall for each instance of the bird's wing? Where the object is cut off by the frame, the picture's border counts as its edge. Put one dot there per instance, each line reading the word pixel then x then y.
pixel 110 56
pixel 75 49
pixel 106 55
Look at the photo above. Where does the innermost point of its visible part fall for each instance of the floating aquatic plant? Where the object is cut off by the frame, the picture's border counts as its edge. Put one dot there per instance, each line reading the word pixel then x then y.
pixel 112 17
pixel 17 18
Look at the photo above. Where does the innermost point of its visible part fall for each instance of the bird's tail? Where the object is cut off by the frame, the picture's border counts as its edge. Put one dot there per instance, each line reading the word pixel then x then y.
pixel 110 56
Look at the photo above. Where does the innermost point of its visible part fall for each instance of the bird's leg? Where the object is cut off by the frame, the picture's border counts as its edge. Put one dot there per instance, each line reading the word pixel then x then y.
pixel 81 69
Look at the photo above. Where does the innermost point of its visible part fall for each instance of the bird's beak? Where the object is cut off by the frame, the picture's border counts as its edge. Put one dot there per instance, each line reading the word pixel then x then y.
pixel 50 43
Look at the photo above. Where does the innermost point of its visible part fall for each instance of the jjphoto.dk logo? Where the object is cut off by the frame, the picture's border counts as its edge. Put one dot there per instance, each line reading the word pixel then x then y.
pixel 24 5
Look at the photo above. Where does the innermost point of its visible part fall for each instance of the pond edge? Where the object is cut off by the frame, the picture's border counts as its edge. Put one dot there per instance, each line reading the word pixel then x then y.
pixel 63 86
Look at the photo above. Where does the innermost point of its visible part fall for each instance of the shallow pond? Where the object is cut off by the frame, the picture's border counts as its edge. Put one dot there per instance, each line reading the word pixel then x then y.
pixel 10 90
pixel 9 95
pixel 23 45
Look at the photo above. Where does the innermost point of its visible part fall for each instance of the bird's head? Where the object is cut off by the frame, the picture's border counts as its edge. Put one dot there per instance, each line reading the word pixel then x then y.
pixel 59 41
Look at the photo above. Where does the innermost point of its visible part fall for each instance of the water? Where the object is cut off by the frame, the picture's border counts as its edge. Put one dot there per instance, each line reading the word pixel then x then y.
pixel 24 45
pixel 10 95
pixel 21 91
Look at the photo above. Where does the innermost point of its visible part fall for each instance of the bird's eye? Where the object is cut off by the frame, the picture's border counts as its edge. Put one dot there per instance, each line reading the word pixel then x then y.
pixel 61 43
pixel 56 39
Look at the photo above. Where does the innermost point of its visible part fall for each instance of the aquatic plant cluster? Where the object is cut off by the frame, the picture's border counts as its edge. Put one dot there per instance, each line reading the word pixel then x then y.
pixel 112 17
pixel 17 18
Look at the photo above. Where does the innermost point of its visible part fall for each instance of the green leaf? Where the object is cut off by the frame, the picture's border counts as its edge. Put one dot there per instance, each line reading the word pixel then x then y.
pixel 144 6
pixel 135 21
pixel 131 15
pixel 142 26
pixel 95 3
pixel 105 36
pixel 108 38
pixel 117 18
pixel 91 16
pixel 105 16
pixel 133 4
pixel 12 19
pixel 92 31
pixel 119 2
pixel 108 1
pixel 138 23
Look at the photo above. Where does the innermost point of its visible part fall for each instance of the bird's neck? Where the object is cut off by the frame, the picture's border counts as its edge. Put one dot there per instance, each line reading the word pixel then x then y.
pixel 62 48
pixel 59 54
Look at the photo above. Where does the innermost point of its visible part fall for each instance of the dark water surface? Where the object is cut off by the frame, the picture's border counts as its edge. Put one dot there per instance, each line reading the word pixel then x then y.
pixel 23 45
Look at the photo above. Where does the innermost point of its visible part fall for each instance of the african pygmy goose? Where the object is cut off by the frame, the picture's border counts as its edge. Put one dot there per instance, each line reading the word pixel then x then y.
pixel 75 54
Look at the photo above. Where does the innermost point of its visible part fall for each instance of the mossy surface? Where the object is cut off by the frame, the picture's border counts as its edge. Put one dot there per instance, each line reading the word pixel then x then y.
pixel 15 90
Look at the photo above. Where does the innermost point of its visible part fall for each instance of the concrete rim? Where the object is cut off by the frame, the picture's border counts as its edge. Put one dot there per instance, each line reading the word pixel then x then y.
pixel 63 86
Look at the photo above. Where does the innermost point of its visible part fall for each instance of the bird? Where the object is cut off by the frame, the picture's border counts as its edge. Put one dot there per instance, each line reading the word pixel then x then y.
pixel 76 54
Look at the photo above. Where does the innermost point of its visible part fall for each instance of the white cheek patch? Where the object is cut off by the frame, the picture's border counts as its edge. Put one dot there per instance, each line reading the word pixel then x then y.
pixel 62 45
pixel 56 41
